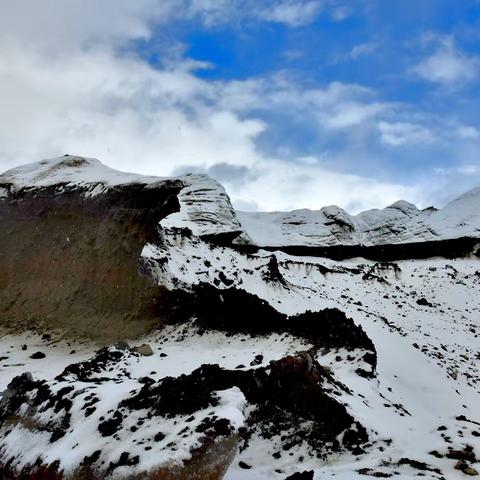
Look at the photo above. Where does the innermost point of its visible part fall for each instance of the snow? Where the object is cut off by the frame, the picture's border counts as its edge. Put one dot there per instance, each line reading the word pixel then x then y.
pixel 400 222
pixel 71 170
pixel 428 362
pixel 205 208
pixel 423 317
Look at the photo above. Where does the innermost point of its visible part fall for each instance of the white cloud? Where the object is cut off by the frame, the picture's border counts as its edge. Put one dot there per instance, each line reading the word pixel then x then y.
pixel 300 185
pixel 294 13
pixel 447 65
pixel 77 24
pixel 356 52
pixel 350 114
pixel 134 117
pixel 401 133
pixel 75 86
pixel 468 132
pixel 337 106
pixel 467 169
pixel 362 49
pixel 340 10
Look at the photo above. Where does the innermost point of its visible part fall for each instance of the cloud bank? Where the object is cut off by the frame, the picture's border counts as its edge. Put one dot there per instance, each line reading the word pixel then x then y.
pixel 73 81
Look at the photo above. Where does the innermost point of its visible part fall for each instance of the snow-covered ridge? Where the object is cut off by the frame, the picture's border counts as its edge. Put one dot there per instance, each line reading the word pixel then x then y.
pixel 71 170
pixel 205 208
pixel 401 222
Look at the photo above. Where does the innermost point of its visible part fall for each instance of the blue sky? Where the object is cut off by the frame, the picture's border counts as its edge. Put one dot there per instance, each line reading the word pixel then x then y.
pixel 289 103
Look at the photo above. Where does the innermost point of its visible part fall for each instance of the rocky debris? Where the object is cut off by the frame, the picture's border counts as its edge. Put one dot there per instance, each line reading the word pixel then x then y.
pixel 423 302
pixel 467 454
pixel 257 360
pixel 37 355
pixel 23 391
pixel 93 368
pixel 234 310
pixel 47 415
pixel 374 473
pixel 144 349
pixel 464 467
pixel 289 400
pixel 289 396
pixel 422 466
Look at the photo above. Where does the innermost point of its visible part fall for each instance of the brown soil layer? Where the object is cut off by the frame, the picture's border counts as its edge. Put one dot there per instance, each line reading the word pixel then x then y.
pixel 71 261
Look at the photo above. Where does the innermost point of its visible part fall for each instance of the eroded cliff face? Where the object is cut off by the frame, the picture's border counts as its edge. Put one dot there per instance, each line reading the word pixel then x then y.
pixel 69 251
pixel 269 363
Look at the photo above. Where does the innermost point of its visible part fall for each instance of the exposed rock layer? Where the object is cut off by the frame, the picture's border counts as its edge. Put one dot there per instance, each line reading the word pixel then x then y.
pixel 71 259
pixel 447 248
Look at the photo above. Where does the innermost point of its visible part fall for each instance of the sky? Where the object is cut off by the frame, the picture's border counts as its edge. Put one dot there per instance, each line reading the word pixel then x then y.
pixel 288 103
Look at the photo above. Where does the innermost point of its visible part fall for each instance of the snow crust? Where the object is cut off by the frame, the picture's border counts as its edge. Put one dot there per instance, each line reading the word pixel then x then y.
pixel 400 222
pixel 427 376
pixel 71 170
pixel 428 363
pixel 205 208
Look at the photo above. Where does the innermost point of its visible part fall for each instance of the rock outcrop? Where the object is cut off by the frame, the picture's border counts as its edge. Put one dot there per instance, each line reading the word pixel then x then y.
pixel 187 427
pixel 71 238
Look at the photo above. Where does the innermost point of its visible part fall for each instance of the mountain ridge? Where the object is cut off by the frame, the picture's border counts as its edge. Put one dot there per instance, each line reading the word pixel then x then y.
pixel 206 209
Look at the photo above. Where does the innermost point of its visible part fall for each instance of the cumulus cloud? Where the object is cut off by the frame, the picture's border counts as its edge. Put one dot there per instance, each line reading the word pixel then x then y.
pixel 77 86
pixel 447 65
pixel 311 186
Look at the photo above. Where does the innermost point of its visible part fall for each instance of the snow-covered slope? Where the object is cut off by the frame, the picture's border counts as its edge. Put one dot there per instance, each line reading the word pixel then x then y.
pixel 400 222
pixel 70 171
pixel 262 365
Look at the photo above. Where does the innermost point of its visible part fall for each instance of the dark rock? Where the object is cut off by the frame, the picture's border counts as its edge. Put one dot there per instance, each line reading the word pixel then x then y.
pixel 424 302
pixel 451 248
pixel 144 350
pixel 418 465
pixel 257 360
pixel 301 476
pixel 467 454
pixel 465 468
pixel 37 355
pixel 233 310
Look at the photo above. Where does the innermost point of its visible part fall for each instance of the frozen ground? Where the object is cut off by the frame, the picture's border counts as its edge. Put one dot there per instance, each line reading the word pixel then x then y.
pixel 422 316
pixel 420 407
